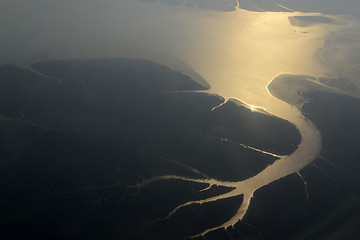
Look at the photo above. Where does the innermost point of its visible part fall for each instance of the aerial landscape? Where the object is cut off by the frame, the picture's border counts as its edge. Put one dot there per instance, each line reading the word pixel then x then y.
pixel 179 119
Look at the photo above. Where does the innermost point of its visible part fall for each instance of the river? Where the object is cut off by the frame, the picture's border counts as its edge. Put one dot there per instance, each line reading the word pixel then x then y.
pixel 237 53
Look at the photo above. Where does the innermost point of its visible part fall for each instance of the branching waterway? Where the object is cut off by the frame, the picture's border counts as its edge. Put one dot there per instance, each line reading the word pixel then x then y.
pixel 238 53
pixel 239 62
pixel 306 152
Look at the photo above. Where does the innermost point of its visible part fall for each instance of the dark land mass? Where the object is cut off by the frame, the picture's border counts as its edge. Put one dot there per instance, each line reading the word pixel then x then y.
pixel 70 150
pixel 331 210
pixel 293 88
pixel 308 21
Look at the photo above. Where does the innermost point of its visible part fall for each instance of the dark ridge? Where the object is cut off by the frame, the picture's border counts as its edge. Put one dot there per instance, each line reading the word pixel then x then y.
pixel 109 74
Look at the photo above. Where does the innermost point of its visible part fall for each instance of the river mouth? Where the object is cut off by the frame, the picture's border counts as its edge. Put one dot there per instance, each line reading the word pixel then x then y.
pixel 244 62
pixel 238 53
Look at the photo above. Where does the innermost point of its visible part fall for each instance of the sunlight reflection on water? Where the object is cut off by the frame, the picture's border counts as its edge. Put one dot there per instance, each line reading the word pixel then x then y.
pixel 238 53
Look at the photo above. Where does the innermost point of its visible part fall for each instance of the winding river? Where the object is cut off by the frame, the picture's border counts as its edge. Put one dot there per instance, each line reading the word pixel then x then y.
pixel 238 53
pixel 239 61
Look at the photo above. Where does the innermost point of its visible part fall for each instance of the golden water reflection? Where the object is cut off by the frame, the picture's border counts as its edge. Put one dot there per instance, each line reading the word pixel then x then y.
pixel 238 53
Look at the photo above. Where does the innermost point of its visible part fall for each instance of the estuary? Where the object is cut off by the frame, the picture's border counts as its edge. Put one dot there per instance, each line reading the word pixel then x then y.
pixel 233 53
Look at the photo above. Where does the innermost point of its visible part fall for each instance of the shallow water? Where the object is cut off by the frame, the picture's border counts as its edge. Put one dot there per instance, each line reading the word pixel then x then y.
pixel 238 53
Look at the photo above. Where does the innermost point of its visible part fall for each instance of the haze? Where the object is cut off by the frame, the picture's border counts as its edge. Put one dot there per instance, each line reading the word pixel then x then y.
pixel 237 52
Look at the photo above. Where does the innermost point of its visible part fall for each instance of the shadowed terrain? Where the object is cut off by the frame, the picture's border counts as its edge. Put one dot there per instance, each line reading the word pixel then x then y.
pixel 75 135
pixel 327 207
